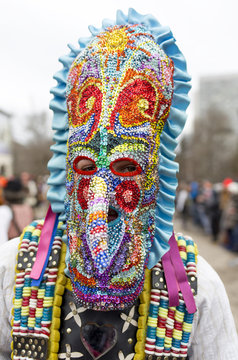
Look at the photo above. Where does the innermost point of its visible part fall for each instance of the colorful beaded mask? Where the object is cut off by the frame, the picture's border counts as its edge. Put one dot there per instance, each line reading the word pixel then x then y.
pixel 119 92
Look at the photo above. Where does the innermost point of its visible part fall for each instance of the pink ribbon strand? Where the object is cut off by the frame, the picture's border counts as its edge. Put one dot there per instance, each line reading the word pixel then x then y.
pixel 176 278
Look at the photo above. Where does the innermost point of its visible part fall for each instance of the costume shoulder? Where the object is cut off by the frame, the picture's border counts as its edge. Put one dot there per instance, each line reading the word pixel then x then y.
pixel 8 253
pixel 213 330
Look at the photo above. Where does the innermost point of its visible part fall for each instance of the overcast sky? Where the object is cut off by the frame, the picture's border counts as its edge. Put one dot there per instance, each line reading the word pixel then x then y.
pixel 35 33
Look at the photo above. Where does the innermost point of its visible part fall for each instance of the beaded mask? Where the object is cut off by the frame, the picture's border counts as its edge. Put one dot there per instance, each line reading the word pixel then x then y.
pixel 119 92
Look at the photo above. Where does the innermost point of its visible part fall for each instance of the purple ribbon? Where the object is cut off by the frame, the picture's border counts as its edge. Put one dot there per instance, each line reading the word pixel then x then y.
pixel 46 241
pixel 176 278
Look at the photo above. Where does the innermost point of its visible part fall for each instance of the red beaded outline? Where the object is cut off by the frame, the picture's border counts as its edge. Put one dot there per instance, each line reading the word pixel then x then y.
pixel 84 172
pixel 80 193
pixel 129 173
pixel 123 187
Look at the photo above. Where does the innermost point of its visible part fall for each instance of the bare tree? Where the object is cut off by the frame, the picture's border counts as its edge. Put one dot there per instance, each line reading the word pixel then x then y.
pixel 33 156
pixel 207 151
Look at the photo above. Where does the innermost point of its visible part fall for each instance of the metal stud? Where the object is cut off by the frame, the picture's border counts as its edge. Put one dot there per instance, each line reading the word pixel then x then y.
pixel 42 342
pixel 19 345
pixel 74 312
pixel 41 355
pixel 35 354
pixel 23 352
pixel 32 253
pixel 35 341
pixel 29 265
pixel 161 279
pixel 33 347
pixel 21 253
pixel 27 346
pixel 130 340
pixel 68 331
pixel 157 272
pixel 54 263
pixel 31 341
pixel 15 352
pixel 193 278
pixel 25 259
pixel 50 257
pixel 20 265
pixel 29 352
pixel 34 258
pixel 156 284
pixel 55 251
pixel 22 340
pixel 39 348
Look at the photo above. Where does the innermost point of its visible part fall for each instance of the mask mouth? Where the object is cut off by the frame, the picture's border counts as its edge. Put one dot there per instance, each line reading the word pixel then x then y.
pixel 112 214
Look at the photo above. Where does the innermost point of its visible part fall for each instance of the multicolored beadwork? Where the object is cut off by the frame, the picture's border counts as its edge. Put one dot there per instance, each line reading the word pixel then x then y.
pixel 169 328
pixel 33 305
pixel 119 93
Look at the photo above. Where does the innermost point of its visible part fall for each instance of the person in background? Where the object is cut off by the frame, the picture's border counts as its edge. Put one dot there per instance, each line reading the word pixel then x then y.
pixel 194 191
pixel 212 208
pixel 5 218
pixel 230 216
pixel 182 203
pixel 22 213
pixel 30 188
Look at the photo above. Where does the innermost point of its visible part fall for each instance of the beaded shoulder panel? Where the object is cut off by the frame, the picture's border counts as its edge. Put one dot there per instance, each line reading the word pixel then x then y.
pixel 169 328
pixel 33 305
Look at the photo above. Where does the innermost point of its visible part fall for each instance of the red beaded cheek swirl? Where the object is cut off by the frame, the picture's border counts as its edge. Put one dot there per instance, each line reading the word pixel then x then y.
pixel 127 193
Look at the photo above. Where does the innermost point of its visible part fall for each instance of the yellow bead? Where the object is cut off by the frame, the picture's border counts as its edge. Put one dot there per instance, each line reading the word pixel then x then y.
pixel 177 334
pixel 160 332
pixel 163 312
pixel 191 249
pixel 182 242
pixel 39 312
pixel 152 321
pixel 183 255
pixel 187 327
pixel 168 342
pixel 25 311
pixel 17 303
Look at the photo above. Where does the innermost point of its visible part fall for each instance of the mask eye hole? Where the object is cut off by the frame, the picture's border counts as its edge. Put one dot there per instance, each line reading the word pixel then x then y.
pixel 125 167
pixel 84 165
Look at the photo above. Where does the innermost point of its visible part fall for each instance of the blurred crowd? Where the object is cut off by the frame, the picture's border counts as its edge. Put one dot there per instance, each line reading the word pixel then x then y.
pixel 22 199
pixel 212 207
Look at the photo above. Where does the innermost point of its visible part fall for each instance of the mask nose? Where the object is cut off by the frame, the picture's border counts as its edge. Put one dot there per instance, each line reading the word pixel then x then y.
pixel 97 222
